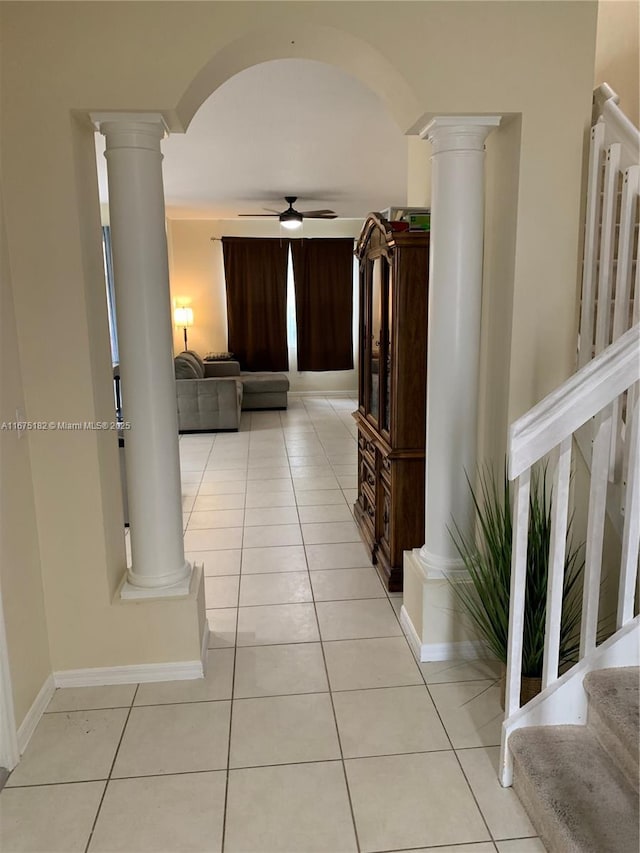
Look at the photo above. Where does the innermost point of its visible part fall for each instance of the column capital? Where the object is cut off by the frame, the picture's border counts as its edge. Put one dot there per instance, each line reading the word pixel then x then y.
pixel 131 130
pixel 459 133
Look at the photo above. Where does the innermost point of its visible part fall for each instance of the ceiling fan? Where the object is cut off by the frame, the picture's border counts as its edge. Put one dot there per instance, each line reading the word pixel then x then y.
pixel 292 218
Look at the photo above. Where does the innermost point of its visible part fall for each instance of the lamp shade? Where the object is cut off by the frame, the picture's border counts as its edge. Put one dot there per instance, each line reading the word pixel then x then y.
pixel 183 317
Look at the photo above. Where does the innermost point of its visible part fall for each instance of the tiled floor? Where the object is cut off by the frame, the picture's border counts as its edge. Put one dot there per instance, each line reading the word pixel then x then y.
pixel 315 729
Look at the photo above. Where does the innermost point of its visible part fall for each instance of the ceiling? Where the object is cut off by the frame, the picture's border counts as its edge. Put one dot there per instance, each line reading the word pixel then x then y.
pixel 287 127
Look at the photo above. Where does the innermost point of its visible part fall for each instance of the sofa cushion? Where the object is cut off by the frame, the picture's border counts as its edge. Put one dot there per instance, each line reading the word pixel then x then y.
pixel 195 355
pixel 187 367
pixel 264 383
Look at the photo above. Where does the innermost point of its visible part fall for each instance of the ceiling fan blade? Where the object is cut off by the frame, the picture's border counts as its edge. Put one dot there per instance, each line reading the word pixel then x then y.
pixel 319 214
pixel 256 215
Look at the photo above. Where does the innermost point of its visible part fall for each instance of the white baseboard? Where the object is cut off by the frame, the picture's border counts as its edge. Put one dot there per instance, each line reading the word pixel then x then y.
pixel 35 712
pixel 424 652
pixel 136 673
pixel 204 648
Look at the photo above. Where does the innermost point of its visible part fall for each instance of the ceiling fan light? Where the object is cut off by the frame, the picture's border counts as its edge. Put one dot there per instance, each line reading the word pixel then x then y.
pixel 291 219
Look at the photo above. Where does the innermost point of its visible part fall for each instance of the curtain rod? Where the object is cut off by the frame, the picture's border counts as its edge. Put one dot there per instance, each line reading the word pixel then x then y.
pixel 219 239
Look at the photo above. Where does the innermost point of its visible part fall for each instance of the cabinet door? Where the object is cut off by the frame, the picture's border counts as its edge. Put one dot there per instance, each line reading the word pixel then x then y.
pixel 374 339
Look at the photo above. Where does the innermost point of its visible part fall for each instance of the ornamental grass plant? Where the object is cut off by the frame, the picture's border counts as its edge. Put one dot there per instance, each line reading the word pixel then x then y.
pixel 487 558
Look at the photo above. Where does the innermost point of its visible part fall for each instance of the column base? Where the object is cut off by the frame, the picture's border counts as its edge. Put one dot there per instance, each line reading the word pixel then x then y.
pixel 436 567
pixel 432 618
pixel 133 587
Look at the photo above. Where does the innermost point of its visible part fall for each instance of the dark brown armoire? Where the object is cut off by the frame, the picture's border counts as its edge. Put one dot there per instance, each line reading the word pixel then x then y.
pixel 394 274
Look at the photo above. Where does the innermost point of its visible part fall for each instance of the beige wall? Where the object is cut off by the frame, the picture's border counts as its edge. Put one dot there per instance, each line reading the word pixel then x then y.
pixel 617 52
pixel 197 276
pixel 60 60
pixel 20 575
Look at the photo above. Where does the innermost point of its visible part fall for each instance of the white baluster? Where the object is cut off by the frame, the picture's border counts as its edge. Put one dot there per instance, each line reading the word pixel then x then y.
pixel 595 531
pixel 591 244
pixel 631 531
pixel 557 552
pixel 603 318
pixel 517 593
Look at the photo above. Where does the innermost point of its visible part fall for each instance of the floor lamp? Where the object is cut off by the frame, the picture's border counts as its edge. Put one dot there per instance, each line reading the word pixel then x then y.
pixel 183 319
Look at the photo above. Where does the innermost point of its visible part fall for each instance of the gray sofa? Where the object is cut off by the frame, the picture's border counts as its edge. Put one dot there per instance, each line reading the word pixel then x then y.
pixel 211 395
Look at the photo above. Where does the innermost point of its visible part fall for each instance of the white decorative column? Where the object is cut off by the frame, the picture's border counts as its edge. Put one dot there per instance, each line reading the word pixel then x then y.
pixel 455 301
pixel 141 279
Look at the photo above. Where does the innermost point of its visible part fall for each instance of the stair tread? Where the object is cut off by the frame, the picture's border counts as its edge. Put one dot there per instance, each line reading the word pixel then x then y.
pixel 576 797
pixel 615 694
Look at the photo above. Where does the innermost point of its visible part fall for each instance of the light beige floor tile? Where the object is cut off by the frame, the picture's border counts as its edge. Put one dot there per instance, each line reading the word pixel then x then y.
pixel 213 540
pixel 71 747
pixel 500 806
pixel 307 461
pixel 318 470
pixel 271 515
pixel 277 534
pixel 206 503
pixel 216 684
pixel 217 562
pixel 52 818
pixel 227 487
pixel 190 489
pixel 412 801
pixel 320 497
pixel 359 664
pixel 215 518
pixel 219 463
pixel 278 623
pixel 92 698
pixel 285 558
pixel 521 845
pixel 388 721
pixel 188 502
pixel 338 584
pixel 325 514
pixel 349 555
pixel 283 730
pixel 302 808
pixel 222 627
pixel 470 711
pixel 279 670
pixel 442 672
pixel 162 813
pixel 162 739
pixel 275 472
pixel 348 470
pixel 190 477
pixel 396 603
pixel 344 458
pixel 350 496
pixel 277 459
pixel 261 487
pixel 351 620
pixel 221 591
pixel 280 588
pixel 270 499
pixel 221 475
pixel 348 481
pixel 304 484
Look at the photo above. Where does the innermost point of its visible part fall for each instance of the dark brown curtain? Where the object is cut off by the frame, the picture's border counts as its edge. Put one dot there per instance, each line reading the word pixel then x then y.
pixel 256 279
pixel 323 275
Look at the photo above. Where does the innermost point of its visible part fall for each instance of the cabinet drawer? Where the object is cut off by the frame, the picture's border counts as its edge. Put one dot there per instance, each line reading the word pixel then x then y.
pixel 368 503
pixel 367 448
pixel 385 469
pixel 385 519
pixel 366 472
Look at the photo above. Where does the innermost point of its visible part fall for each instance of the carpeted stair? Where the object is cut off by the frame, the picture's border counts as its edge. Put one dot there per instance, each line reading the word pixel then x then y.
pixel 579 784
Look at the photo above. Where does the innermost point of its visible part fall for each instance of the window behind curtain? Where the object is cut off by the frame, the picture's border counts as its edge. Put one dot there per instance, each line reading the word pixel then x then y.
pixel 111 297
pixel 256 281
pixel 323 275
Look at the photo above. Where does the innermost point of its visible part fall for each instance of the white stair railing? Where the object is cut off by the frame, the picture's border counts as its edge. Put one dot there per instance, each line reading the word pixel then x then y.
pixel 594 391
pixel 611 273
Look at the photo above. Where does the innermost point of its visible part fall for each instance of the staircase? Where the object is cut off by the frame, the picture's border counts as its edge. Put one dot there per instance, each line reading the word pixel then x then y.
pixel 579 784
pixel 572 752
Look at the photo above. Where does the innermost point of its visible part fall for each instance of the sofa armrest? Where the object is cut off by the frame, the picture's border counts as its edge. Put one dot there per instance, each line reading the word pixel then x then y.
pixel 221 368
pixel 205 404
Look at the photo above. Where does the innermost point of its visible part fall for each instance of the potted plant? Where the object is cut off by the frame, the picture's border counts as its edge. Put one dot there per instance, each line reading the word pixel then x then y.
pixel 487 559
